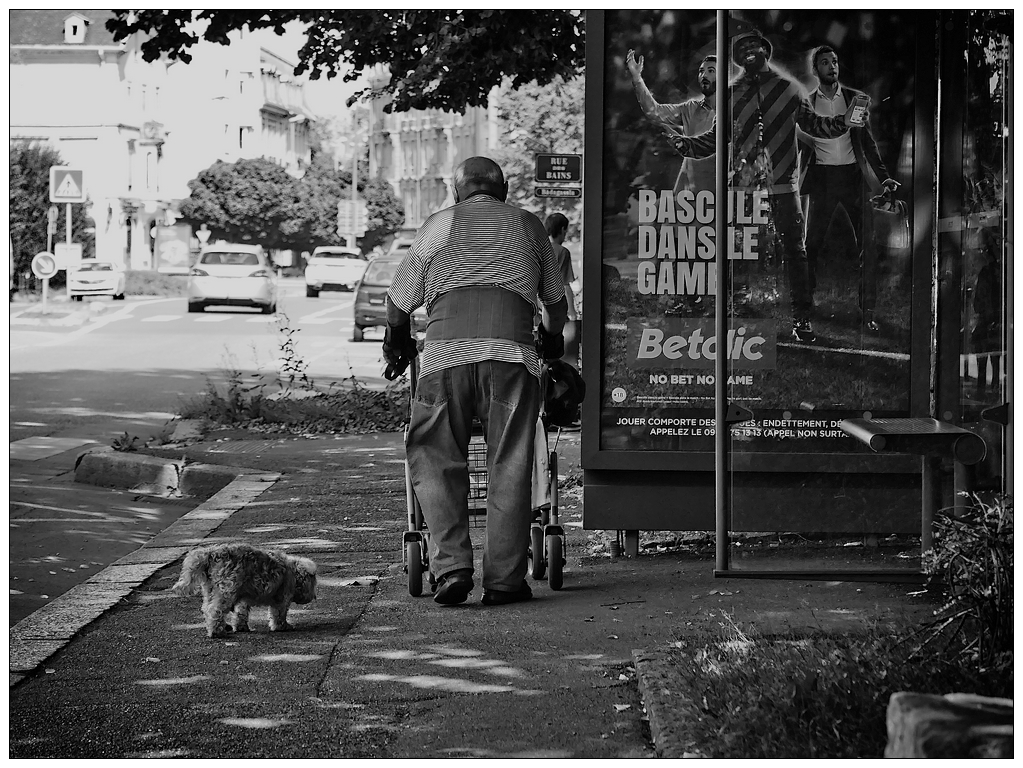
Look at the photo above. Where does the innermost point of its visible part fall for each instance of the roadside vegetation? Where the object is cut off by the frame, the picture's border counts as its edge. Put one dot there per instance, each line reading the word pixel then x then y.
pixel 820 695
pixel 294 404
pixel 152 283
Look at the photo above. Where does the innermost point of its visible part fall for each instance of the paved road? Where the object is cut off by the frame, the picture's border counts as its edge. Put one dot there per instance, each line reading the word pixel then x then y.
pixel 62 532
pixel 134 364
pixel 128 369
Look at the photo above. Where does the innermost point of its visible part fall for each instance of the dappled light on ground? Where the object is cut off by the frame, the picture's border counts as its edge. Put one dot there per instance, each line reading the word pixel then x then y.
pixel 254 722
pixel 174 680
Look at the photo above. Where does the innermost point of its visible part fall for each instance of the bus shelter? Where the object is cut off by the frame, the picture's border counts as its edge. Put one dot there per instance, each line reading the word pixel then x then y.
pixel 863 281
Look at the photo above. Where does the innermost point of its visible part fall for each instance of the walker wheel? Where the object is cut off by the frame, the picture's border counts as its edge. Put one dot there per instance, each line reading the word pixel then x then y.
pixel 537 566
pixel 414 566
pixel 555 561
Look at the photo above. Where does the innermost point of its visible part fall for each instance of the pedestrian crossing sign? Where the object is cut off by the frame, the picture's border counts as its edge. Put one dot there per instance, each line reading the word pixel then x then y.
pixel 67 185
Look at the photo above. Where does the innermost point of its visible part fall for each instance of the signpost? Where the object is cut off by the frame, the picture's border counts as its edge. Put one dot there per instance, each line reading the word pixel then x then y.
pixel 559 192
pixel 67 255
pixel 352 225
pixel 67 185
pixel 44 266
pixel 559 168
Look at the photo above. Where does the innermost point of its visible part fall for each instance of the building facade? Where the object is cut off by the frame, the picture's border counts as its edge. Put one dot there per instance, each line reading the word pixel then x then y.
pixel 140 131
pixel 418 151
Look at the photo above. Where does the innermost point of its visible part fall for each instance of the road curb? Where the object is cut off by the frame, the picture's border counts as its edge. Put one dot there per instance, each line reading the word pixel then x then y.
pixel 666 709
pixel 47 630
pixel 150 474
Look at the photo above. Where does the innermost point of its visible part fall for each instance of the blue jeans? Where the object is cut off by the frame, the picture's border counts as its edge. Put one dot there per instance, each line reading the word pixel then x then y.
pixel 505 397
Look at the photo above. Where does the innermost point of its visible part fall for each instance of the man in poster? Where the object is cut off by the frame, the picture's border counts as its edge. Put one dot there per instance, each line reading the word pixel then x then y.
pixel 836 172
pixel 687 118
pixel 766 108
pixel 692 116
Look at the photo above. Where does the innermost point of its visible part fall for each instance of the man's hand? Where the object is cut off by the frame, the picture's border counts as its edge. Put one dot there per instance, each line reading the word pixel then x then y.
pixel 399 350
pixel 890 184
pixel 635 64
pixel 852 106
pixel 549 346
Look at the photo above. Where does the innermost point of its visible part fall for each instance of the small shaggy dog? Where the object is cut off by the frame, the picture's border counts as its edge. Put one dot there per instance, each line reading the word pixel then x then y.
pixel 235 577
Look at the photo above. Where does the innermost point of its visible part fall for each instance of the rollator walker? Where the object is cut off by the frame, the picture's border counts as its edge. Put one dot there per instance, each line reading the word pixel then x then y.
pixel 546 545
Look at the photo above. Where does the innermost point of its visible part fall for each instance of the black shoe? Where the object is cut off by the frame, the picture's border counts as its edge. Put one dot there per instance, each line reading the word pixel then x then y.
pixel 495 597
pixel 803 331
pixel 870 322
pixel 454 588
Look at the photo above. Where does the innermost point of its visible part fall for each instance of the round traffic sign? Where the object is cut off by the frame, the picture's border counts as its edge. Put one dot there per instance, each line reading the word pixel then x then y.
pixel 44 265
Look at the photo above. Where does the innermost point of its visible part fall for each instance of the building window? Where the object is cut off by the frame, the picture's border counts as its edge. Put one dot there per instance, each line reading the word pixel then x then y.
pixel 74 29
pixel 131 165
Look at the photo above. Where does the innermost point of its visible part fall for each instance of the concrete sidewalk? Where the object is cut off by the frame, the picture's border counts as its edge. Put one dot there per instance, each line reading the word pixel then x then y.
pixel 124 669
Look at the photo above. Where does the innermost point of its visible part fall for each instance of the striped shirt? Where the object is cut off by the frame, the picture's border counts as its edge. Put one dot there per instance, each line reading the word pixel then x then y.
pixel 480 241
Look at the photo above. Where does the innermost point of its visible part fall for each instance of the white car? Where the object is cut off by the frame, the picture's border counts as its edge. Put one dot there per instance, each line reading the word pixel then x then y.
pixel 96 278
pixel 235 275
pixel 333 268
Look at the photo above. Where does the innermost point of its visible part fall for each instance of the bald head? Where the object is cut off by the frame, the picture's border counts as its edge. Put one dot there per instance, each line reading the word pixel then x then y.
pixel 479 175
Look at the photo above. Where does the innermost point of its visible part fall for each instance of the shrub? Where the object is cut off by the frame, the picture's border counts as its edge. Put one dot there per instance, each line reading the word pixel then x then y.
pixel 805 696
pixel 152 283
pixel 351 408
pixel 240 403
pixel 971 561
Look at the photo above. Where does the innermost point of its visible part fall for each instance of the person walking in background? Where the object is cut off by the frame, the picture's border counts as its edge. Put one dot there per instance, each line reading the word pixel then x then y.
pixel 842 172
pixel 557 231
pixel 766 108
pixel 478 268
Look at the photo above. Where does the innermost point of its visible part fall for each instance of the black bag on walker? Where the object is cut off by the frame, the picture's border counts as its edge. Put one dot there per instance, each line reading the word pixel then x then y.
pixel 564 391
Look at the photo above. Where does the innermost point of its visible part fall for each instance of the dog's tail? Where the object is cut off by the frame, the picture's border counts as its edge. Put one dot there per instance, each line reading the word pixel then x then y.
pixel 193 573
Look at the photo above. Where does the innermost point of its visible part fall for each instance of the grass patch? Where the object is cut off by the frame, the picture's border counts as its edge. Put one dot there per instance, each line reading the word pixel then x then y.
pixel 810 696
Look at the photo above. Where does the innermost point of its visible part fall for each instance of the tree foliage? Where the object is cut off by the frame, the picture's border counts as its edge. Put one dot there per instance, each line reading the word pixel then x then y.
pixel 539 119
pixel 249 201
pixel 445 59
pixel 257 201
pixel 30 200
pixel 319 192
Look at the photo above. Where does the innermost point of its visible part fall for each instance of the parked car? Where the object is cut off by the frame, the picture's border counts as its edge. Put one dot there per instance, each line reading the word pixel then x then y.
pixel 333 268
pixel 93 277
pixel 370 308
pixel 399 247
pixel 234 275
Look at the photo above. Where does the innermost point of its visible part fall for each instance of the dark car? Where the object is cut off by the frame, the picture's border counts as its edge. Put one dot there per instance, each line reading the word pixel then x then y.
pixel 370 297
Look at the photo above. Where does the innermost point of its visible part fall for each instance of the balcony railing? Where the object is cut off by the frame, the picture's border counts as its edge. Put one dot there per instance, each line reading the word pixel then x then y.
pixel 287 97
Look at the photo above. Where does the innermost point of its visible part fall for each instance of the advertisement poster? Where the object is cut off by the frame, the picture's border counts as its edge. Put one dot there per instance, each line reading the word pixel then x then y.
pixel 819 214
pixel 172 248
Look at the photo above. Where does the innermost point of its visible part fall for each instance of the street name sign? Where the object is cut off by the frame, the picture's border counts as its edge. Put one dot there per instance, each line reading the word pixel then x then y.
pixel 67 185
pixel 559 168
pixel 558 192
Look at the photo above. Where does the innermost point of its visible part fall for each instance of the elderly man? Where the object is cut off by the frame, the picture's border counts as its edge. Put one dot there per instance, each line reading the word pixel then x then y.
pixel 478 268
